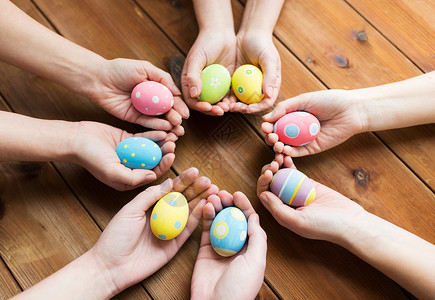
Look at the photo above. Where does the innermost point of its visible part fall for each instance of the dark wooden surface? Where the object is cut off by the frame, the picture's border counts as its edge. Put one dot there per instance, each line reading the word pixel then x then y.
pixel 51 213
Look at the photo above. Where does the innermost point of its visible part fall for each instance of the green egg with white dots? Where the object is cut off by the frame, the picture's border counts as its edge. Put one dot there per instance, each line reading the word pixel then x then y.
pixel 216 81
pixel 169 216
pixel 139 153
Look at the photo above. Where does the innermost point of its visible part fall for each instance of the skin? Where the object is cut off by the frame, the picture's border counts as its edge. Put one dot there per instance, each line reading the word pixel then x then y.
pixel 34 48
pixel 236 277
pixel 127 251
pixel 89 144
pixel 335 218
pixel 252 45
pixel 343 114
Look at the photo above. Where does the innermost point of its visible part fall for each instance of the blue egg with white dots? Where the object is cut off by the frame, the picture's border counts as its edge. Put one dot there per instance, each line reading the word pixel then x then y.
pixel 228 231
pixel 169 216
pixel 139 153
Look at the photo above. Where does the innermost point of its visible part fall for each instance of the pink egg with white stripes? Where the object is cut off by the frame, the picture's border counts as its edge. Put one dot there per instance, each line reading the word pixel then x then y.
pixel 297 128
pixel 152 98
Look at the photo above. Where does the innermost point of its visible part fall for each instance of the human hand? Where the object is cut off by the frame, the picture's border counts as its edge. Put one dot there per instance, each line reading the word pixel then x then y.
pixel 236 277
pixel 210 47
pixel 94 144
pixel 258 49
pixel 128 251
pixel 112 86
pixel 339 113
pixel 326 218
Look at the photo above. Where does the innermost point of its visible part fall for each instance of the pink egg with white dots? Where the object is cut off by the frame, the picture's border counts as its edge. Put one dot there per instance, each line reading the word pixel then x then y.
pixel 298 128
pixel 152 98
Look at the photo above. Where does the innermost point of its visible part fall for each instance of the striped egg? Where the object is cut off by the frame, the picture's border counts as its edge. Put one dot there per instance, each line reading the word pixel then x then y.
pixel 139 153
pixel 228 231
pixel 297 128
pixel 293 187
pixel 169 216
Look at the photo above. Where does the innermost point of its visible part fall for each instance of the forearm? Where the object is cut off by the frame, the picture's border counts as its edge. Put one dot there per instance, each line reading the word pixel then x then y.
pixel 401 255
pixel 29 45
pixel 260 16
pixel 28 139
pixel 216 16
pixel 84 278
pixel 406 103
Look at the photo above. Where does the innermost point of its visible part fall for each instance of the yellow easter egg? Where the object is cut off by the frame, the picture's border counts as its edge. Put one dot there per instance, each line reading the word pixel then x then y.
pixel 169 216
pixel 247 84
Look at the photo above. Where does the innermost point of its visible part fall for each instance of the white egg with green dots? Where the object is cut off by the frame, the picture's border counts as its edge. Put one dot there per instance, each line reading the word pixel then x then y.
pixel 139 153
pixel 169 216
pixel 228 231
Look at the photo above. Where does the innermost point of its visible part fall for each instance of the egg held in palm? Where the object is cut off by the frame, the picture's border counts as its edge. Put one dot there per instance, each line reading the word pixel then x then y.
pixel 216 81
pixel 169 216
pixel 247 84
pixel 152 98
pixel 297 128
pixel 228 231
pixel 293 187
pixel 139 153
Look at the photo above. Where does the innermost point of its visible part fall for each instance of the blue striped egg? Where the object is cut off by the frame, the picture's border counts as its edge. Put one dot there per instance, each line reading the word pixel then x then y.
pixel 139 153
pixel 228 231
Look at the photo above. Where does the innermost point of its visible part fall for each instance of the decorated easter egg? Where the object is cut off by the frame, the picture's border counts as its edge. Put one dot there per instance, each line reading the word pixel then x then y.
pixel 228 231
pixel 297 128
pixel 152 98
pixel 169 216
pixel 216 81
pixel 247 84
pixel 293 187
pixel 139 153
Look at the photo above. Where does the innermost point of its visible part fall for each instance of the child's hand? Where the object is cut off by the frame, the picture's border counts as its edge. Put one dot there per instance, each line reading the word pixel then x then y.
pixel 326 218
pixel 340 116
pixel 258 49
pixel 94 146
pixel 236 277
pixel 115 79
pixel 128 250
pixel 210 47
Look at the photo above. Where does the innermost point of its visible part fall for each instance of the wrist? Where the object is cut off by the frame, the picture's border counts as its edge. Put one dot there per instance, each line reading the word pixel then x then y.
pixel 360 233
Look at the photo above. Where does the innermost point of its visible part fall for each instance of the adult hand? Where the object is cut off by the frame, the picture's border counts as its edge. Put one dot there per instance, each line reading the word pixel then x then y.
pixel 236 277
pixel 112 86
pixel 210 47
pixel 340 116
pixel 94 147
pixel 128 251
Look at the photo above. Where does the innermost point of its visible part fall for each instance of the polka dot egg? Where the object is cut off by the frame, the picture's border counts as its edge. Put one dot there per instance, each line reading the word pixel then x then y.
pixel 139 153
pixel 293 187
pixel 247 84
pixel 297 128
pixel 169 216
pixel 152 98
pixel 228 231
pixel 216 81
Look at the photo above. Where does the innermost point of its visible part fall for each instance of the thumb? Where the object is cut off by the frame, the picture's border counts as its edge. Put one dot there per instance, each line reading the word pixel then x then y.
pixel 147 198
pixel 257 243
pixel 193 75
pixel 269 67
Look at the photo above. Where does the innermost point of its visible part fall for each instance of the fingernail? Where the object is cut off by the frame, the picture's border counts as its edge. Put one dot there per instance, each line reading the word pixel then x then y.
pixel 264 198
pixel 256 219
pixel 167 184
pixel 270 91
pixel 268 115
pixel 193 91
pixel 175 88
pixel 150 177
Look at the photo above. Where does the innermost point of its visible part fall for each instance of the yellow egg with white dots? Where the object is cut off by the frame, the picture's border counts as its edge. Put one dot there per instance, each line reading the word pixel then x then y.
pixel 247 84
pixel 169 216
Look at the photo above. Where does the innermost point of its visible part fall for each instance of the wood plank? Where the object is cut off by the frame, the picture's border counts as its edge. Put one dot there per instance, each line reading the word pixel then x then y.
pixel 408 24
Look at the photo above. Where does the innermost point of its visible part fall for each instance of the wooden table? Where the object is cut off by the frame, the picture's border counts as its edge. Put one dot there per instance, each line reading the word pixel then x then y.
pixel 51 213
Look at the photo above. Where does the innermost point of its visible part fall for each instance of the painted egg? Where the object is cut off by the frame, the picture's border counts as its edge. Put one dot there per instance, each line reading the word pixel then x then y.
pixel 297 128
pixel 139 153
pixel 247 84
pixel 228 231
pixel 293 187
pixel 169 216
pixel 216 81
pixel 152 98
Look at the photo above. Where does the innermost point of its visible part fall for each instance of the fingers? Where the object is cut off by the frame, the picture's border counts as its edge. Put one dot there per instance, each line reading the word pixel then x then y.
pixel 181 107
pixel 156 74
pixel 164 165
pixel 264 104
pixel 174 117
pixel 193 68
pixel 178 130
pixel 264 182
pixel 151 122
pixel 208 215
pixel 185 179
pixel 146 199
pixel 154 135
pixel 192 222
pixel 268 64
pixel 284 214
pixel 242 202
pixel 257 243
